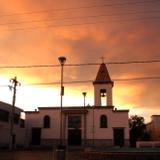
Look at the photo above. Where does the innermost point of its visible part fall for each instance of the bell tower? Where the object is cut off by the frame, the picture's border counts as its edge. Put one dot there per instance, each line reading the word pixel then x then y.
pixel 103 87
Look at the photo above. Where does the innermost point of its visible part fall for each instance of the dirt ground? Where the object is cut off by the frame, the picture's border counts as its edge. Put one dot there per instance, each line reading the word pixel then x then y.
pixel 38 155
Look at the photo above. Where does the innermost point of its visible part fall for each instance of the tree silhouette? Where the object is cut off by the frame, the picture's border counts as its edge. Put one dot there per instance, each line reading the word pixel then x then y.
pixel 137 130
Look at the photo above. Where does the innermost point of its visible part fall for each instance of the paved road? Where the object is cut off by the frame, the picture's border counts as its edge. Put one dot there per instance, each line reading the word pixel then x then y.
pixel 38 155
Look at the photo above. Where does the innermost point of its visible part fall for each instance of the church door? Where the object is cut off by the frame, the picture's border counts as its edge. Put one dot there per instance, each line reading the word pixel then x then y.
pixel 118 137
pixel 74 130
pixel 36 136
pixel 74 137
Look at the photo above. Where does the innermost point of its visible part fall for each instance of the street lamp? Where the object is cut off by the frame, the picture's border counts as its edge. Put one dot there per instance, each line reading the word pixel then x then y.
pixel 84 95
pixel 62 61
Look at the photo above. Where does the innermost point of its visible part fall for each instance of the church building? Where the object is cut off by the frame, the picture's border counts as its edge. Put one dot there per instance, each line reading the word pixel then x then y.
pixel 99 125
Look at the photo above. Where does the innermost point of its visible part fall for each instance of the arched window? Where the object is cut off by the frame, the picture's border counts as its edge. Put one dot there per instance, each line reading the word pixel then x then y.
pixel 103 121
pixel 46 122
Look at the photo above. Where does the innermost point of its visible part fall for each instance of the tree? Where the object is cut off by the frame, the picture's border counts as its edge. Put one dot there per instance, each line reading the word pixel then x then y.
pixel 137 130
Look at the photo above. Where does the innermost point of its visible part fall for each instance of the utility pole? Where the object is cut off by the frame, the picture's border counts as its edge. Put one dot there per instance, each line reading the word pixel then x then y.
pixel 13 87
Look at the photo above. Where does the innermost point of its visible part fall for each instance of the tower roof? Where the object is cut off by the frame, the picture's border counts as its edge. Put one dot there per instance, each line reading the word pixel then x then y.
pixel 102 75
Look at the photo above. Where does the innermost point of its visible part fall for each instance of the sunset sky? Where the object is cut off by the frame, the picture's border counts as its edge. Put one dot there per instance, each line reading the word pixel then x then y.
pixel 38 32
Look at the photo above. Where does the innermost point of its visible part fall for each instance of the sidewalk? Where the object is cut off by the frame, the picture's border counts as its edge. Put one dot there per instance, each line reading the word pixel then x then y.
pixel 38 155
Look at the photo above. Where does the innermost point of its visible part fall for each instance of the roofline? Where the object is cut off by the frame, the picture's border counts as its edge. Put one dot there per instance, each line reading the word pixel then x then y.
pixel 78 108
pixel 155 115
pixel 31 112
pixel 10 105
pixel 123 110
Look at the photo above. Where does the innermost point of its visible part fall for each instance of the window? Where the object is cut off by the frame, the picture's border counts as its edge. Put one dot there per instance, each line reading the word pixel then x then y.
pixel 103 121
pixel 103 94
pixel 46 122
pixel 22 123
pixel 16 118
pixel 74 121
pixel 4 116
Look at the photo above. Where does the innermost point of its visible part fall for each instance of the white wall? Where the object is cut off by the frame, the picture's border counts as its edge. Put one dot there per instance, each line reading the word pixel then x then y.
pixel 54 131
pixel 115 119
pixel 35 120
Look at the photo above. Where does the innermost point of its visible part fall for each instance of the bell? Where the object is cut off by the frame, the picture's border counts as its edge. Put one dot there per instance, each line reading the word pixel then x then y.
pixel 103 94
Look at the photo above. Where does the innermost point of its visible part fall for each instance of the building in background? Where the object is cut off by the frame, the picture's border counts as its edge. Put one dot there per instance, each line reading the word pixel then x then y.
pixel 154 128
pixel 5 126
pixel 98 125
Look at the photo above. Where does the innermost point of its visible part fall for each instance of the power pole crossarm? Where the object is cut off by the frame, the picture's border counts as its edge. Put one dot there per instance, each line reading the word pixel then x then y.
pixel 14 87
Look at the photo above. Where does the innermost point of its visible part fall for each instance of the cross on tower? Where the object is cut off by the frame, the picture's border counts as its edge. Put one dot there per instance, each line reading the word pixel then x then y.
pixel 102 59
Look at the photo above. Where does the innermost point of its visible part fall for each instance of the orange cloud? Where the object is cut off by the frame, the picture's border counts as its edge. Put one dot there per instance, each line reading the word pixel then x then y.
pixel 116 41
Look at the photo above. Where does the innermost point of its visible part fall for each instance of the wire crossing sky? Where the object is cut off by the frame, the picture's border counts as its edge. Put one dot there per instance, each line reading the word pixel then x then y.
pixel 82 7
pixel 65 16
pixel 83 64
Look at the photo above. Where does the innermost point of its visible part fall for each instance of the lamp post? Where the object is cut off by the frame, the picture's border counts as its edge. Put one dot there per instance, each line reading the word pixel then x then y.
pixel 62 61
pixel 93 127
pixel 84 95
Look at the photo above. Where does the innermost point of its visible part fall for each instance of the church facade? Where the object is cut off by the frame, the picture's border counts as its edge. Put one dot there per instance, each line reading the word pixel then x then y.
pixel 98 125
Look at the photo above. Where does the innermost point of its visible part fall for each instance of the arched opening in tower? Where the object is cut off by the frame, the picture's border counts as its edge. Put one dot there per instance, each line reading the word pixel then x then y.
pixel 103 94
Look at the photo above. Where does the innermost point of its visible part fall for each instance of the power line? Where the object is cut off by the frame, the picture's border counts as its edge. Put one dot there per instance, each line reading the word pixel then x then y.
pixel 81 7
pixel 115 63
pixel 135 62
pixel 137 79
pixel 82 64
pixel 84 23
pixel 52 83
pixel 88 81
pixel 28 66
pixel 80 17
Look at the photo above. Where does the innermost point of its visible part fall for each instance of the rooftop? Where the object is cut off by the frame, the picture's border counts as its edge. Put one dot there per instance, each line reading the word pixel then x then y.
pixel 103 75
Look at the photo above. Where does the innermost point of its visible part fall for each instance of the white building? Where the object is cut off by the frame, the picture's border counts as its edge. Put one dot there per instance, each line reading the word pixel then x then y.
pixel 5 126
pixel 99 125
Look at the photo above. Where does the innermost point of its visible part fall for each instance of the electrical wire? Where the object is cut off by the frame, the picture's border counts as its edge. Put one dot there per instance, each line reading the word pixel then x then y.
pixel 28 66
pixel 80 17
pixel 82 64
pixel 81 7
pixel 84 23
pixel 88 81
